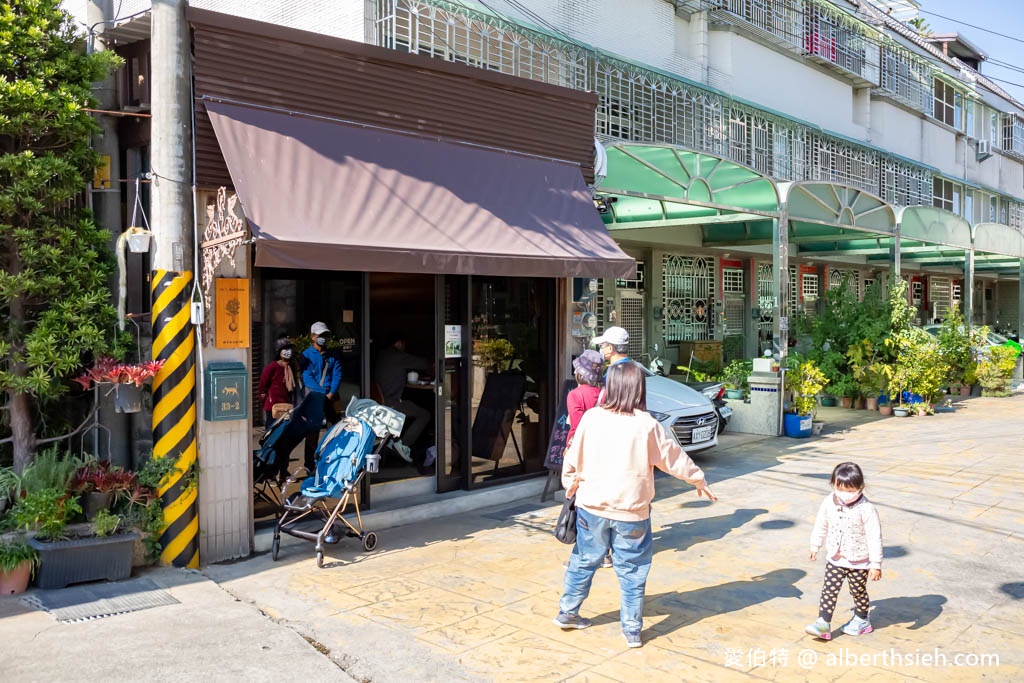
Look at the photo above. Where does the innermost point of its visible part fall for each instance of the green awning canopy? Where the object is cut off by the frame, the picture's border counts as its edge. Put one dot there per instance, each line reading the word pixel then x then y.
pixel 997 247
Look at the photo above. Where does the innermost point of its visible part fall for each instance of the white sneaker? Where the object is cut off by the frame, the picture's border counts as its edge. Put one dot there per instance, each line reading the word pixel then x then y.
pixel 404 451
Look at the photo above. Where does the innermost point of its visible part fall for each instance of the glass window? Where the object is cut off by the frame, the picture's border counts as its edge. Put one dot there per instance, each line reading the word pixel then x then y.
pixel 993 206
pixel 969 119
pixel 969 206
pixel 944 194
pixel 944 103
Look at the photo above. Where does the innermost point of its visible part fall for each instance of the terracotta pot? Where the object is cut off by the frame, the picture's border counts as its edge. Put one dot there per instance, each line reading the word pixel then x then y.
pixel 16 580
pixel 846 402
pixel 965 390
pixel 872 403
pixel 885 410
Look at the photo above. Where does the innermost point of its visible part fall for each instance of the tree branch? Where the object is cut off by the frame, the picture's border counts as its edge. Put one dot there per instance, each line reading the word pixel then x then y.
pixel 88 419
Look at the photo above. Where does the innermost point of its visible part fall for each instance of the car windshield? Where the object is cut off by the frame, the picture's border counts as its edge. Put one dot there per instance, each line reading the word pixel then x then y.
pixel 996 339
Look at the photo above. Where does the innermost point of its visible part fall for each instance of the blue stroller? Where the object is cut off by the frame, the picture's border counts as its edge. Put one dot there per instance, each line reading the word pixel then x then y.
pixel 347 452
pixel 270 460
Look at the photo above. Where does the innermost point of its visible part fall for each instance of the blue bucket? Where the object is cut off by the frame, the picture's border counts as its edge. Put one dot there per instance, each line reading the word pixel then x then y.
pixel 796 426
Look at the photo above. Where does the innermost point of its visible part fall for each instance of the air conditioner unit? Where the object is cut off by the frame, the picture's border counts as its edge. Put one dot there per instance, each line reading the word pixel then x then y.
pixel 984 150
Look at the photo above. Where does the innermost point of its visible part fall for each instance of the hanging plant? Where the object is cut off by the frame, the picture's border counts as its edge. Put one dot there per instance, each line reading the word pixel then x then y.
pixel 108 370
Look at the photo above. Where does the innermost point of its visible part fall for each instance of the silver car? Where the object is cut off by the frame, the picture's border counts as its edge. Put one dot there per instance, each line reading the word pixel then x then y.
pixel 686 413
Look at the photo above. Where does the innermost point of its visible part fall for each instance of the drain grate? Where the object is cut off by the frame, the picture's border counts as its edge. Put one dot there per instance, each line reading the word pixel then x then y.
pixel 95 601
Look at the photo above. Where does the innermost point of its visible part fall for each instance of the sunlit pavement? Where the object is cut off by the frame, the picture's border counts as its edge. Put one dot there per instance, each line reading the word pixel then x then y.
pixel 472 597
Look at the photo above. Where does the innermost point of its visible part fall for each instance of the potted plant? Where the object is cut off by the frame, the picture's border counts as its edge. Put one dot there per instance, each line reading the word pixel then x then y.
pixel 125 378
pixel 956 344
pixel 97 483
pixel 920 369
pixel 18 562
pixel 69 558
pixel 805 380
pixel 870 371
pixel 493 355
pixel 10 487
pixel 736 375
pixel 995 368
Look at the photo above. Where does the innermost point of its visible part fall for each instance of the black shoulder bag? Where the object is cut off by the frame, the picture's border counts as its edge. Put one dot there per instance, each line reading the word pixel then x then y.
pixel 565 528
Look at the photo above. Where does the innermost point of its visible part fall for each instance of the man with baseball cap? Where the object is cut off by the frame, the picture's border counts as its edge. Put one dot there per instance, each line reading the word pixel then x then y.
pixel 321 376
pixel 614 345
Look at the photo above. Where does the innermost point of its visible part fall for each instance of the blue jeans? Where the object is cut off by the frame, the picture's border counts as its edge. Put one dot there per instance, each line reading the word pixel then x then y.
pixel 632 549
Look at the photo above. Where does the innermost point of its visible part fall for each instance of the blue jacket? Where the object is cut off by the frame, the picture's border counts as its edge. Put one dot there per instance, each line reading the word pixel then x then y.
pixel 312 362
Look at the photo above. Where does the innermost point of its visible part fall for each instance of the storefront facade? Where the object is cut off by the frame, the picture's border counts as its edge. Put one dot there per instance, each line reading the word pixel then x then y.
pixel 394 197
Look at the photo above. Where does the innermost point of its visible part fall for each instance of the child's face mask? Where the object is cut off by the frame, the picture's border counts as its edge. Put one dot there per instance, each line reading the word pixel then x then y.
pixel 846 497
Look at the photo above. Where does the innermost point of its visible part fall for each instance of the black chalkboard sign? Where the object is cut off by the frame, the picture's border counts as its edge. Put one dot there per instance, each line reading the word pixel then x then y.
pixel 559 429
pixel 492 424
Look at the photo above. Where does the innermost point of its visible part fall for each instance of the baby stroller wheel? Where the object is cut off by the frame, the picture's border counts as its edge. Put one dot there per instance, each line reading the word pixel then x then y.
pixel 369 541
pixel 319 559
pixel 275 547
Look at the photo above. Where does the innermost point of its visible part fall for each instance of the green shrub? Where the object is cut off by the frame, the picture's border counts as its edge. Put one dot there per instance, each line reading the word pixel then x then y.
pixel 46 511
pixel 995 368
pixel 105 523
pixel 49 470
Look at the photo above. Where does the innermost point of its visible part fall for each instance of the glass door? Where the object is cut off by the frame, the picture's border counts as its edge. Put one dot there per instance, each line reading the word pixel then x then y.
pixel 454 371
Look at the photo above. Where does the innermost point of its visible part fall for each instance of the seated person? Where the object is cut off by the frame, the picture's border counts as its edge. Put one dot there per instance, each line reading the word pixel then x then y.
pixel 391 370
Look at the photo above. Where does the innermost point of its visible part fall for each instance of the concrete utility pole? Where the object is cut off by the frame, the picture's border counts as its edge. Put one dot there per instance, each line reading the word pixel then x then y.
pixel 171 159
pixel 174 405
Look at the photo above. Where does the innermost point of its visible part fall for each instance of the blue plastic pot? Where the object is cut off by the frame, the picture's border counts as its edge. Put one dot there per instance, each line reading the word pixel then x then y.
pixel 796 426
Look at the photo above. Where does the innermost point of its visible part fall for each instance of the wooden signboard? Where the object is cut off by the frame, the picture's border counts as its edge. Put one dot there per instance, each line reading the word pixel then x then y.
pixel 231 301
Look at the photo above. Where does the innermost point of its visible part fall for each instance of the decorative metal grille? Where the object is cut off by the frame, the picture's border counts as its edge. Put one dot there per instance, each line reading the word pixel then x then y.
pixel 1013 135
pixel 810 291
pixel 905 185
pixel 837 276
pixel 766 304
pixel 732 280
pixel 688 297
pixel 1016 214
pixel 907 78
pixel 643 105
pixel 794 294
pixel 600 309
pixel 636 282
pixel 631 318
pixel 940 295
pixel 957 291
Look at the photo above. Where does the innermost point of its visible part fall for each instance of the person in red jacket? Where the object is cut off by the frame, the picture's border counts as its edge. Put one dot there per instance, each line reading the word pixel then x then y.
pixel 277 382
pixel 584 397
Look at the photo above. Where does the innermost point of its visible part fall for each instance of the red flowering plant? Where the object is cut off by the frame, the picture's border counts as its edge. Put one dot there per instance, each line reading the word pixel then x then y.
pixel 108 370
pixel 102 477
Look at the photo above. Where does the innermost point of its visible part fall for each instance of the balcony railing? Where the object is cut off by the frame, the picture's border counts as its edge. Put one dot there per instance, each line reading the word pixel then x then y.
pixel 1013 135
pixel 815 29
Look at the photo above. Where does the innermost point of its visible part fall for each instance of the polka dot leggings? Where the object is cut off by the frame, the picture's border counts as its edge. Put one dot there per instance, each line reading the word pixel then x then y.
pixel 834 576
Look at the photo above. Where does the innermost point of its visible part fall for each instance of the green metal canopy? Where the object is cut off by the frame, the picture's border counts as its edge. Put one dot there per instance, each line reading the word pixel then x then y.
pixel 998 247
pixel 650 187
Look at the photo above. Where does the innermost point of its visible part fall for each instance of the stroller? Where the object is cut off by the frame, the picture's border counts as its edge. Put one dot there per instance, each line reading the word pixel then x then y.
pixel 270 461
pixel 347 452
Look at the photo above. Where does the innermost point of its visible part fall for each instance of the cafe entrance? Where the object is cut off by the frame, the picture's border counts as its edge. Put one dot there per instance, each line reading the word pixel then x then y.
pixel 474 354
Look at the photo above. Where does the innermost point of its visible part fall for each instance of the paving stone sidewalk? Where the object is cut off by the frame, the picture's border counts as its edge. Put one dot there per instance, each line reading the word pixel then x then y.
pixel 472 597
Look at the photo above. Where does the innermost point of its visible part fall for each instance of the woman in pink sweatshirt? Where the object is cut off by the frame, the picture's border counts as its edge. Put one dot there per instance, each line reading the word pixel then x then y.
pixel 609 468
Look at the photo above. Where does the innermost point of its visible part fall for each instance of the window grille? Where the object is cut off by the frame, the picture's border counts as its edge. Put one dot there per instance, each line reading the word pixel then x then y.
pixel 956 292
pixel 636 282
pixel 837 276
pixel 1016 214
pixel 1013 135
pixel 688 297
pixel 905 185
pixel 631 318
pixel 792 301
pixel 766 304
pixel 809 290
pixel 940 294
pixel 732 280
pixel 839 162
pixel 906 78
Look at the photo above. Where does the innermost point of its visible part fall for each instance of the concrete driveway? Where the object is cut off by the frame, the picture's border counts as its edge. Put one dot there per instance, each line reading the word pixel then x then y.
pixel 472 597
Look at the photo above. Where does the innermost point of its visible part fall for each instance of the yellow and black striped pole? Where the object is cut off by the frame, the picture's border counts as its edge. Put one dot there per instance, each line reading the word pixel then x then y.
pixel 174 414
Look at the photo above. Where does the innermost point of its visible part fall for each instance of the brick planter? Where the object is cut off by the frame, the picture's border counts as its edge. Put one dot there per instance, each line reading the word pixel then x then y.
pixel 62 563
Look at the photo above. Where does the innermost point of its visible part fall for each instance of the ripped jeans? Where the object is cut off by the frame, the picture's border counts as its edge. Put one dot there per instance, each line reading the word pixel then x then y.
pixel 632 549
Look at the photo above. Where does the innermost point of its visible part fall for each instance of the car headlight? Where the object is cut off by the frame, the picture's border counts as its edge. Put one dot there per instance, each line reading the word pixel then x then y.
pixel 660 417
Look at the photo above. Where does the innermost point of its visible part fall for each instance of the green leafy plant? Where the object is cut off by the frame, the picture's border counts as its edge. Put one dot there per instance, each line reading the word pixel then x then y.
pixel 956 343
pixel 14 553
pixel 54 260
pixel 51 469
pixel 105 523
pixel 806 381
pixel 920 367
pixel 46 512
pixel 870 371
pixel 494 355
pixel 10 486
pixel 736 374
pixel 995 368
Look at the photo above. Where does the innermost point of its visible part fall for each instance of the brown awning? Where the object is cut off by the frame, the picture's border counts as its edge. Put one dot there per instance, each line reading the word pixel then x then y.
pixel 328 196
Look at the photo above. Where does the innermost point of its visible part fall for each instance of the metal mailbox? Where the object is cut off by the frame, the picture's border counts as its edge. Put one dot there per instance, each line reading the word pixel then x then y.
pixel 226 392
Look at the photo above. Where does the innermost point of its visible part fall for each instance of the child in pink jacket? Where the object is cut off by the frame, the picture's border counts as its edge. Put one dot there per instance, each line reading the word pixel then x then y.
pixel 848 527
